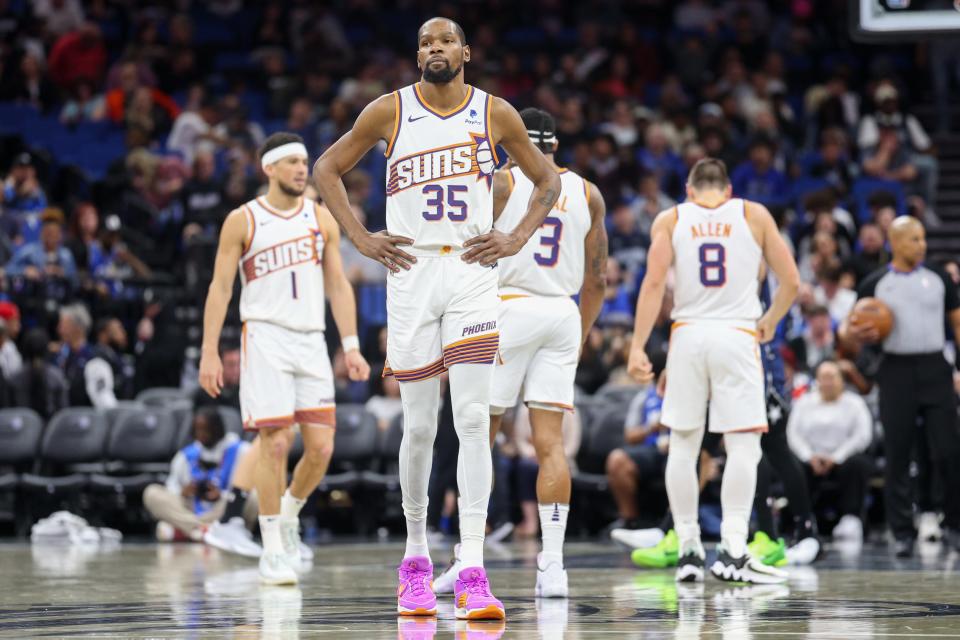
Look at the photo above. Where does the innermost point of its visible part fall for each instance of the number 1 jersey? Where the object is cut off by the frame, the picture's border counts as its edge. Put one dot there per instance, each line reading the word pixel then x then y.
pixel 716 263
pixel 552 261
pixel 440 171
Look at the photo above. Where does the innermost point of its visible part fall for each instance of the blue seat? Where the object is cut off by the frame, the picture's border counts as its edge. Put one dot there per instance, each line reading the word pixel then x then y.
pixel 865 187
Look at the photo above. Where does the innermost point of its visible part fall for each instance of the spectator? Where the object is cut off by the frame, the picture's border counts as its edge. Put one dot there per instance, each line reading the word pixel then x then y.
pixel 59 16
pixel 889 160
pixel 628 244
pixel 872 254
pixel 657 158
pixel 822 208
pixel 617 308
pixel 47 258
pixel 229 396
pixel 39 385
pixel 817 341
pixel 829 430
pixel 83 233
pixel 193 131
pixel 89 377
pixel 831 162
pixel 838 300
pixel 824 251
pixel 109 364
pixel 31 85
pixel 301 121
pixel 359 268
pixel 23 199
pixel 112 262
pixel 236 127
pixel 642 459
pixel 651 201
pixel 83 106
pixel 385 404
pixel 621 124
pixel 203 197
pixel 119 99
pixel 757 179
pixel 79 58
pixel 10 360
pixel 200 477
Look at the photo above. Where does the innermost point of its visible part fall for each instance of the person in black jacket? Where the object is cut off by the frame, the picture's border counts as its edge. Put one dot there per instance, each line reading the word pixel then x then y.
pixel 39 385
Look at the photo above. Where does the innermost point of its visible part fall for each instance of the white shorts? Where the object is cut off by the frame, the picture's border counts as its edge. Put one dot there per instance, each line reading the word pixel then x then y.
pixel 539 350
pixel 285 377
pixel 441 312
pixel 716 363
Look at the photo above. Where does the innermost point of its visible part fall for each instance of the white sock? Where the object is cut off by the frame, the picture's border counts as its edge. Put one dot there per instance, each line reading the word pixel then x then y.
pixel 736 492
pixel 421 404
pixel 270 533
pixel 290 506
pixel 683 488
pixel 553 527
pixel 416 539
pixel 470 393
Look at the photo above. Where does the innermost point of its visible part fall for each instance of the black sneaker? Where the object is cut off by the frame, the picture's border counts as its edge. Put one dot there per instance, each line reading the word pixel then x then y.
pixel 690 567
pixel 744 569
pixel 903 547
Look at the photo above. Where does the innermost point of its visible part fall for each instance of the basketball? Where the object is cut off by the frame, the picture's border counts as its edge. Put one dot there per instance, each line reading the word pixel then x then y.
pixel 485 158
pixel 872 311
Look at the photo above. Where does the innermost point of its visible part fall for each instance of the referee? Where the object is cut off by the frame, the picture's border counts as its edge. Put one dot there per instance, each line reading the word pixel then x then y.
pixel 916 382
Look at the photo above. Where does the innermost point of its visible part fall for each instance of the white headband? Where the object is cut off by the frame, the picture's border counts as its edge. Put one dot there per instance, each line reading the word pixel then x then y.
pixel 281 152
pixel 540 134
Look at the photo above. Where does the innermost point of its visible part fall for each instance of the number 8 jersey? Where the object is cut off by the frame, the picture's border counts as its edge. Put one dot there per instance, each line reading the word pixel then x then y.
pixel 552 261
pixel 440 171
pixel 716 263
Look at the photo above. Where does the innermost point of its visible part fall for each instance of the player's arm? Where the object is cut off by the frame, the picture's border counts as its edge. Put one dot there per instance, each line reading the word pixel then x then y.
pixel 376 122
pixel 594 278
pixel 508 131
pixel 659 260
pixel 778 256
pixel 233 236
pixel 502 187
pixel 343 304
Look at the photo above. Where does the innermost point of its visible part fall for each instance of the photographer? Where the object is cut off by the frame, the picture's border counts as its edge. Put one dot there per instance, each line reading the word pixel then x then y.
pixel 200 477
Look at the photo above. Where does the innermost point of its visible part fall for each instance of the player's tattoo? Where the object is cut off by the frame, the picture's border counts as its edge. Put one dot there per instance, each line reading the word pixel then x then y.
pixel 548 198
pixel 599 262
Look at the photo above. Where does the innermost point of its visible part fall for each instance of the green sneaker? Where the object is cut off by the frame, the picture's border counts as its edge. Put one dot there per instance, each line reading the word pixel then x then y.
pixel 660 556
pixel 772 553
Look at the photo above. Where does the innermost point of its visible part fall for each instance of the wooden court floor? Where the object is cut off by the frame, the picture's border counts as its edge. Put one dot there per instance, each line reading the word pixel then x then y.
pixel 189 591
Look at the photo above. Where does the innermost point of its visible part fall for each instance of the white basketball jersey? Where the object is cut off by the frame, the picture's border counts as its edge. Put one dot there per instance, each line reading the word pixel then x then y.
pixel 281 268
pixel 552 261
pixel 716 263
pixel 439 172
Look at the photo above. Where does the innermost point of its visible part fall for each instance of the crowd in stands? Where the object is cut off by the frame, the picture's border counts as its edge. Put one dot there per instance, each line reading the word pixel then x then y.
pixel 818 129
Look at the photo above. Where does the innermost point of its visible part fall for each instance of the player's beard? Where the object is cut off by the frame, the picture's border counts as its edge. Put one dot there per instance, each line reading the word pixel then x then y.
pixel 291 190
pixel 442 76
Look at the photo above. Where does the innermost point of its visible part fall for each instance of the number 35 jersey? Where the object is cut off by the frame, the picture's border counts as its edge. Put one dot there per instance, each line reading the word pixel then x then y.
pixel 716 263
pixel 552 261
pixel 281 268
pixel 440 171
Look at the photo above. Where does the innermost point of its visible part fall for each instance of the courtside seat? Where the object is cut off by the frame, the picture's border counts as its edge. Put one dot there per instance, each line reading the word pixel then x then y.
pixel 605 434
pixel 71 448
pixel 161 396
pixel 354 448
pixel 387 478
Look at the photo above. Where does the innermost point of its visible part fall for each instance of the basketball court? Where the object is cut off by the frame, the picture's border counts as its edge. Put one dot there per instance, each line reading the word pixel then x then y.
pixel 191 591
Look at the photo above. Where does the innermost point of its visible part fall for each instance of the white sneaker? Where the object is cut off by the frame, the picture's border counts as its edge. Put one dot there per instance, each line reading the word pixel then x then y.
pixel 445 582
pixel 744 569
pixel 551 580
pixel 274 570
pixel 928 527
pixel 165 532
pixel 233 537
pixel 637 538
pixel 849 528
pixel 804 552
pixel 306 553
pixel 290 534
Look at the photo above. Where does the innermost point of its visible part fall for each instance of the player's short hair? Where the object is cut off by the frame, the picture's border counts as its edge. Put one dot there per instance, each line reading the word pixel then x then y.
pixel 277 140
pixel 456 27
pixel 707 173
pixel 541 127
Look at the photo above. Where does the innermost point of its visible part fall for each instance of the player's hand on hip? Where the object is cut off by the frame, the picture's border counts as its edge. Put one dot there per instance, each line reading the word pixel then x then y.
pixel 490 247
pixel 639 366
pixel 211 374
pixel 357 367
pixel 766 329
pixel 385 249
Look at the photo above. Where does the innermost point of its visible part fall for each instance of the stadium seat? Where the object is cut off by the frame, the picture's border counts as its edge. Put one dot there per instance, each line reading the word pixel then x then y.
pixel 617 395
pixel 864 187
pixel 388 452
pixel 20 431
pixel 138 451
pixel 160 396
pixel 355 447
pixel 72 446
pixel 605 435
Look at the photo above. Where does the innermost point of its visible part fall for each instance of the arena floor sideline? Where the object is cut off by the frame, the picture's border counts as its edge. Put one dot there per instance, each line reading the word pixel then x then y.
pixel 189 591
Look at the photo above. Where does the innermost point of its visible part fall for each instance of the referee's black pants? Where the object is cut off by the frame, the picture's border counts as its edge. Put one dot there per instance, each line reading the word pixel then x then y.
pixel 920 387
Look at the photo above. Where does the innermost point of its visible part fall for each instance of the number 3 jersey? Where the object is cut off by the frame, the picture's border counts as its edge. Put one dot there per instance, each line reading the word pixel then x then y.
pixel 439 172
pixel 716 263
pixel 552 261
pixel 281 266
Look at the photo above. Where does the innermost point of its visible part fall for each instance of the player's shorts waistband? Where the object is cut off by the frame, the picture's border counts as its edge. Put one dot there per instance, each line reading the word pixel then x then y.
pixel 274 325
pixel 445 251
pixel 514 293
pixel 749 326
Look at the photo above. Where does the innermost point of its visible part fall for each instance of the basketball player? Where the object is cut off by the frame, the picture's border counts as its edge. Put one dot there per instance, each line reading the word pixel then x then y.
pixel 716 246
pixel 287 250
pixel 542 330
pixel 442 301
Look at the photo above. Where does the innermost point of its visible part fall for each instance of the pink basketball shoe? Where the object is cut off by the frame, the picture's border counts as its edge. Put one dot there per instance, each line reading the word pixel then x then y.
pixel 415 595
pixel 472 598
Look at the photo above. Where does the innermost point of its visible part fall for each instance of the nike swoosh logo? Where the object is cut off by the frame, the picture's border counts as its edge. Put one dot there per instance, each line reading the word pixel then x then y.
pixel 412 119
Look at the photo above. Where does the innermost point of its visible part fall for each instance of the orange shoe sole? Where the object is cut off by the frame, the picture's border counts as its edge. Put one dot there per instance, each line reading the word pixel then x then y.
pixel 491 612
pixel 417 612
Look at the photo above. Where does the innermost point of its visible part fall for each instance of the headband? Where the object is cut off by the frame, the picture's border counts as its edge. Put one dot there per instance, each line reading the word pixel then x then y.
pixel 540 137
pixel 283 151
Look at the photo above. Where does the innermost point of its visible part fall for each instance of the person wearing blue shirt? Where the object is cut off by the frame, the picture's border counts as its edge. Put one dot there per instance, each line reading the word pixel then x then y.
pixel 45 258
pixel 23 200
pixel 757 179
